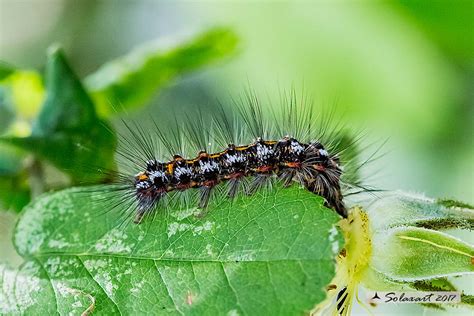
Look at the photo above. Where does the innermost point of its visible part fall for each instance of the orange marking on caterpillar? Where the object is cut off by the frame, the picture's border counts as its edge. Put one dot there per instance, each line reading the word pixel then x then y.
pixel 142 177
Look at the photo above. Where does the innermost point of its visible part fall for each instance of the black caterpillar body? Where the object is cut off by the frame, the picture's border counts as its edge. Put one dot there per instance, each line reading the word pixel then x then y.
pixel 310 165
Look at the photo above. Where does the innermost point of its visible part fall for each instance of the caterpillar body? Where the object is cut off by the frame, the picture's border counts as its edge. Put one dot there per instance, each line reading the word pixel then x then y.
pixel 238 152
pixel 289 160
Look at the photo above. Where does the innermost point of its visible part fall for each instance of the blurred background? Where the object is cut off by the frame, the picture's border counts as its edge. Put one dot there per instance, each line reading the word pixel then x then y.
pixel 401 70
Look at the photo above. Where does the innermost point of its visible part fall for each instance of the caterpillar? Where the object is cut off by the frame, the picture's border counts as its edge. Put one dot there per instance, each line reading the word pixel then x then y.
pixel 235 152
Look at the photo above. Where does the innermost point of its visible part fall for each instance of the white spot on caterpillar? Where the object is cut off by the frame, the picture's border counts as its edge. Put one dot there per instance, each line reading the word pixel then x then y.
pixel 296 147
pixel 157 174
pixel 235 158
pixel 208 166
pixel 179 171
pixel 263 151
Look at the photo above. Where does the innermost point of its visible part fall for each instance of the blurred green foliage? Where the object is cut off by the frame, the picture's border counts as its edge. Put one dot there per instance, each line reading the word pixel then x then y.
pixel 132 80
pixel 58 124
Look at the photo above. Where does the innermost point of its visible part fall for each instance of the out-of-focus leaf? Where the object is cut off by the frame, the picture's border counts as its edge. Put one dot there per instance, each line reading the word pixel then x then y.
pixel 14 192
pixel 447 23
pixel 271 255
pixel 7 111
pixel 406 209
pixel 410 253
pixel 131 80
pixel 67 131
pixel 21 96
pixel 27 93
pixel 5 70
pixel 10 160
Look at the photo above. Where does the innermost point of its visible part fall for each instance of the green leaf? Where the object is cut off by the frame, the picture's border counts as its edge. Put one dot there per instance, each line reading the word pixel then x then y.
pixel 5 70
pixel 408 253
pixel 7 111
pixel 411 253
pixel 131 80
pixel 14 192
pixel 265 254
pixel 67 131
pixel 14 187
pixel 24 290
pixel 405 209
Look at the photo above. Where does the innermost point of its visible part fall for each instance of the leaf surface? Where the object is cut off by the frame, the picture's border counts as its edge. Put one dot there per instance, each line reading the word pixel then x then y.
pixel 265 254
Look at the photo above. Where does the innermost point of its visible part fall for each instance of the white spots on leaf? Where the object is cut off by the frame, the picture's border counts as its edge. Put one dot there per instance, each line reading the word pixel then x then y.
pixel 209 250
pixel 7 301
pixel 182 214
pixel 175 227
pixel 35 229
pixel 115 241
pixel 137 287
pixel 61 267
pixel 96 264
pixel 333 233
pixel 168 253
pixel 85 307
pixel 233 312
pixel 25 287
pixel 207 226
pixel 141 235
pixel 58 243
pixel 76 304
pixel 62 289
pixel 244 255
pixel 52 265
pixel 19 289
pixel 101 270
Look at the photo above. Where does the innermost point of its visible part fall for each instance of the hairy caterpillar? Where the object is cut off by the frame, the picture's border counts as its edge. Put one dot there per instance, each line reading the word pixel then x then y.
pixel 237 152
